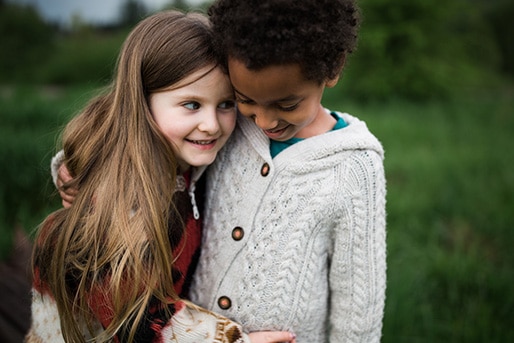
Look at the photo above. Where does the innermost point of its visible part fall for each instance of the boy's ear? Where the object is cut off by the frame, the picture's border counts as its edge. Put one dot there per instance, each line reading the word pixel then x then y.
pixel 332 82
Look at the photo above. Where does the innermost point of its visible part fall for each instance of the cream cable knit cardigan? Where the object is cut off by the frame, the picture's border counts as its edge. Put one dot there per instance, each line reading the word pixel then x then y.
pixel 302 248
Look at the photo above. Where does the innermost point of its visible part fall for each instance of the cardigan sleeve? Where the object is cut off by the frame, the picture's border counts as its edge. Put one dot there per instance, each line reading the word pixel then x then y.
pixel 55 164
pixel 358 266
pixel 189 324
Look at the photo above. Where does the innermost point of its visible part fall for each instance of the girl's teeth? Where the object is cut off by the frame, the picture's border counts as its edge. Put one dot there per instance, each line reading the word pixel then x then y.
pixel 202 142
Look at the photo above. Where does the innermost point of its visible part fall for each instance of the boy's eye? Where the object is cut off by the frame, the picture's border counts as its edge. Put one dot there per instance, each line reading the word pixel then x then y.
pixel 193 105
pixel 226 105
pixel 288 108
pixel 244 101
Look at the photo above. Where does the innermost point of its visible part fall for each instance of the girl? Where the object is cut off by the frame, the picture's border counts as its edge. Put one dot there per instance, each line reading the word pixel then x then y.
pixel 113 266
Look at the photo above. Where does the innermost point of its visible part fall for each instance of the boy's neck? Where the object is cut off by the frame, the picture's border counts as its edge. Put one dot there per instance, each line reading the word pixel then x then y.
pixel 323 123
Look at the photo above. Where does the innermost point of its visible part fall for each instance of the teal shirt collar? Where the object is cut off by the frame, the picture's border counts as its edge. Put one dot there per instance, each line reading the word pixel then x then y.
pixel 277 147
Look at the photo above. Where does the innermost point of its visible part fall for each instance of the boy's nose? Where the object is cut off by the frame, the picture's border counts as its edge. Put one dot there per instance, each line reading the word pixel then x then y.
pixel 265 121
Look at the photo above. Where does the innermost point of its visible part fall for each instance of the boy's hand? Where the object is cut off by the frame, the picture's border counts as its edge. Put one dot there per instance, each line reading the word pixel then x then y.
pixel 272 337
pixel 68 195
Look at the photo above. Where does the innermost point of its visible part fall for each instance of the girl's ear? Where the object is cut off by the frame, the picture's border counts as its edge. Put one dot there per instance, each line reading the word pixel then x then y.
pixel 332 82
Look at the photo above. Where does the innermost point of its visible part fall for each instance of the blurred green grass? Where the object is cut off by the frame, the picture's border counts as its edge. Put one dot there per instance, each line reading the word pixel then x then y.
pixel 450 216
pixel 30 121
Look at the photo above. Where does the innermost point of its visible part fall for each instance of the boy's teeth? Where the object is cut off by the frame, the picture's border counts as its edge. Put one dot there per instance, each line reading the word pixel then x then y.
pixel 275 130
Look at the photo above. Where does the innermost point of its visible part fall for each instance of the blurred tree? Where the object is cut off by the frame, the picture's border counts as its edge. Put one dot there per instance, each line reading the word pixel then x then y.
pixel 132 11
pixel 500 14
pixel 180 4
pixel 25 41
pixel 185 6
pixel 421 49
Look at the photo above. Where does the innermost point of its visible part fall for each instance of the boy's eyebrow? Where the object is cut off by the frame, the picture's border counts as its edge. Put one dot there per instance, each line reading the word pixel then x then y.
pixel 284 99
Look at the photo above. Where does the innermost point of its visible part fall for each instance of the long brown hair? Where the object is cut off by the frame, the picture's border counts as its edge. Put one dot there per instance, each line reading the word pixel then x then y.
pixel 114 239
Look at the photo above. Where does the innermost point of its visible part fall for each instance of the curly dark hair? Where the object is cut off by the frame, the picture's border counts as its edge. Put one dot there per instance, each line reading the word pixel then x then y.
pixel 316 34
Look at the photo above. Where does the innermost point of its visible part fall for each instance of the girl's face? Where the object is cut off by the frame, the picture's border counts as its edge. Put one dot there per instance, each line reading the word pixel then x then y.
pixel 280 100
pixel 197 115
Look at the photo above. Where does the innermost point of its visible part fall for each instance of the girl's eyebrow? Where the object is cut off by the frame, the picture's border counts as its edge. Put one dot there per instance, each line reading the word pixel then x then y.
pixel 291 97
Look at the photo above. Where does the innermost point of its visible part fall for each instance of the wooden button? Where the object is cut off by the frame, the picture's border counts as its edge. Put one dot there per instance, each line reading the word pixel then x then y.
pixel 224 302
pixel 265 169
pixel 238 233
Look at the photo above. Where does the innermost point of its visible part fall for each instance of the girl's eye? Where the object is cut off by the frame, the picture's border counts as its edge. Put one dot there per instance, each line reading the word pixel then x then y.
pixel 193 105
pixel 227 105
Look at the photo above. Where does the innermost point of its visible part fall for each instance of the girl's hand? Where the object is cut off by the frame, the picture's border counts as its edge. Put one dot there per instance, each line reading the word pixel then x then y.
pixel 272 337
pixel 68 195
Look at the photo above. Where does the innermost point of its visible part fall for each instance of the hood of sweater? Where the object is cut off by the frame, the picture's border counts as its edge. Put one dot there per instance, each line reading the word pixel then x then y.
pixel 327 147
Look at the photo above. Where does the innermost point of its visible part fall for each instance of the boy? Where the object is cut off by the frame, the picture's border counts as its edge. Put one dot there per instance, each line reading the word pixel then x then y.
pixel 294 230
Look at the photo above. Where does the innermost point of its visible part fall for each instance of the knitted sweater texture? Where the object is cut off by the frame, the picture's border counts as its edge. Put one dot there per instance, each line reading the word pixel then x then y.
pixel 297 242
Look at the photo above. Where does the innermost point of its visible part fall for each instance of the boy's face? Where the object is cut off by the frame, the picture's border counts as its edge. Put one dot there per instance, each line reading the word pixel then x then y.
pixel 280 100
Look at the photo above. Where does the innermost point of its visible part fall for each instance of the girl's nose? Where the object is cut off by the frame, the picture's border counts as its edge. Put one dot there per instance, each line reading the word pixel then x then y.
pixel 209 122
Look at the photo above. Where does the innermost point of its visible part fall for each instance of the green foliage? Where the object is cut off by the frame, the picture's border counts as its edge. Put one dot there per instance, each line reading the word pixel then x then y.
pixel 83 56
pixel 185 6
pixel 35 52
pixel 499 14
pixel 25 41
pixel 30 123
pixel 421 49
pixel 132 11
